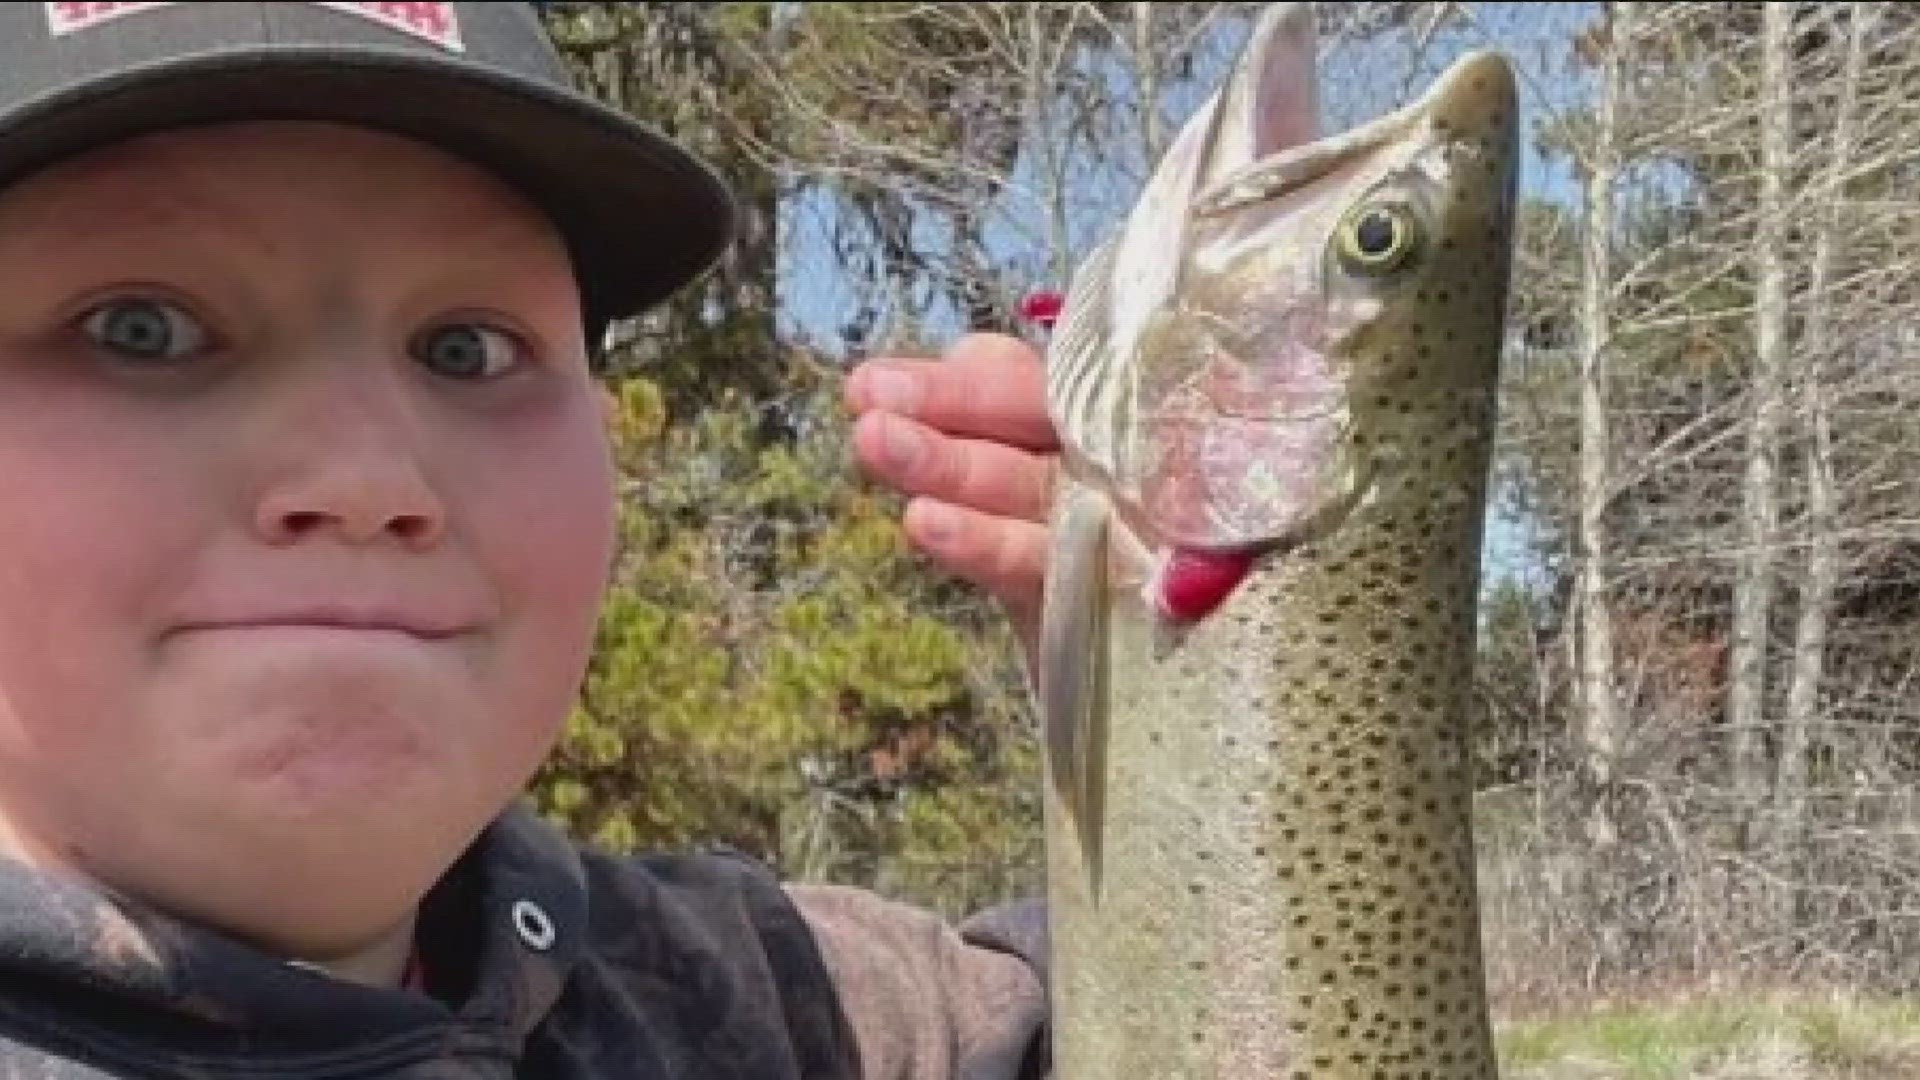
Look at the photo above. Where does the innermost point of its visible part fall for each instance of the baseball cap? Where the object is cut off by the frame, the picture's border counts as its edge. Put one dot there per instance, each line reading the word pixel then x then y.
pixel 642 216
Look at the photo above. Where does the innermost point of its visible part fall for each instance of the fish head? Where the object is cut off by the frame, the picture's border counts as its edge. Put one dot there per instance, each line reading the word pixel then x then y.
pixel 1311 298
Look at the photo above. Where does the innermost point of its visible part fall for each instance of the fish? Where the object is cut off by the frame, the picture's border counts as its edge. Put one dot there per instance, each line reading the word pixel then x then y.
pixel 1274 383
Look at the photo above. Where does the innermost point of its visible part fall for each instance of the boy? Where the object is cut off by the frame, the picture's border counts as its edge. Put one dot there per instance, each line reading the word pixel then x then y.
pixel 305 507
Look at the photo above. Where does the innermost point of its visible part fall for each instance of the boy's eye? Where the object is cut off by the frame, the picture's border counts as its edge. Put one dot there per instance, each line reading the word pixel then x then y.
pixel 144 329
pixel 469 351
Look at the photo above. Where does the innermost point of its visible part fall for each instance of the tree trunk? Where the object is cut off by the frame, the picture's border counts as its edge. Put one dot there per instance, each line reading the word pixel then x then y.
pixel 1823 556
pixel 1040 102
pixel 1599 708
pixel 1759 501
pixel 1147 71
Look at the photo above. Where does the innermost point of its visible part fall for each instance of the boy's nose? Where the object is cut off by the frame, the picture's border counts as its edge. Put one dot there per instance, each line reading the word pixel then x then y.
pixel 347 467
pixel 357 503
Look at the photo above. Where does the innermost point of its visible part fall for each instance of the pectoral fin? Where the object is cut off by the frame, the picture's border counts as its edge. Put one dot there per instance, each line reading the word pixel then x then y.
pixel 1073 666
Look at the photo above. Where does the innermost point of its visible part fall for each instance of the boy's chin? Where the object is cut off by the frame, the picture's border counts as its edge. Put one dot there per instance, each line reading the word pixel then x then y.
pixel 304 796
pixel 322 802
pixel 336 735
pixel 320 878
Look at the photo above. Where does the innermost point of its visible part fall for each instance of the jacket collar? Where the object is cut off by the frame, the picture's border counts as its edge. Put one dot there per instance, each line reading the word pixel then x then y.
pixel 503 929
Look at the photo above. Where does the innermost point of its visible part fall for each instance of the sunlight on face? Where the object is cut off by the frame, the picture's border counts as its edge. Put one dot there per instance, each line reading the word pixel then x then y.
pixel 305 509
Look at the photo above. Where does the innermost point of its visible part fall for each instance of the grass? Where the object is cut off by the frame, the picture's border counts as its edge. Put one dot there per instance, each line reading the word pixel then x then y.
pixel 1780 1038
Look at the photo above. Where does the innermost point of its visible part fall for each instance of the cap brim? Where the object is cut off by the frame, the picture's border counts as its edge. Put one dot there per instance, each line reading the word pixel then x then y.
pixel 643 217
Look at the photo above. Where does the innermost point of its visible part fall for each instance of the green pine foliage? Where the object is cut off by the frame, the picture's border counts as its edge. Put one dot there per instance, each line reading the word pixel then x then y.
pixel 777 671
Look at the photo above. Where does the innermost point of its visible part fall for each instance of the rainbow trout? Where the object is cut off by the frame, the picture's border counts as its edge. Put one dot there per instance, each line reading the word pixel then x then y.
pixel 1275 389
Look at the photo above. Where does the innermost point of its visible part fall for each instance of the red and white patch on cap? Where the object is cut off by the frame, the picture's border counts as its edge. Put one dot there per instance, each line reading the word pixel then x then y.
pixel 69 18
pixel 430 22
pixel 434 22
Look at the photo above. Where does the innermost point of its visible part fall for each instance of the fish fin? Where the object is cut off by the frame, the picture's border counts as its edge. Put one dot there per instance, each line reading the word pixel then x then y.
pixel 1090 384
pixel 1073 667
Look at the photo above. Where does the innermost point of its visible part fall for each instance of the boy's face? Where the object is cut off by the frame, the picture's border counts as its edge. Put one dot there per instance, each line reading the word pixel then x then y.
pixel 305 509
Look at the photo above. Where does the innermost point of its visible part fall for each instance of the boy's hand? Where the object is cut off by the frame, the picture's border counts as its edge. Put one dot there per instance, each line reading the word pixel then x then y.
pixel 968 439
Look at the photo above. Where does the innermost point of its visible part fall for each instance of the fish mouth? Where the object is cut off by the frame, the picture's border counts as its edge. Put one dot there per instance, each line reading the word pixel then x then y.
pixel 1477 86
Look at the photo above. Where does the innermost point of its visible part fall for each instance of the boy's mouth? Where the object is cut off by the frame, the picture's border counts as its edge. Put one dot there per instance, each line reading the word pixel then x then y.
pixel 431 626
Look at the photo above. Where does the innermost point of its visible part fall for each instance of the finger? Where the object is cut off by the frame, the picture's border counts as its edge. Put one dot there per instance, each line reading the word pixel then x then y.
pixel 985 476
pixel 989 386
pixel 1004 556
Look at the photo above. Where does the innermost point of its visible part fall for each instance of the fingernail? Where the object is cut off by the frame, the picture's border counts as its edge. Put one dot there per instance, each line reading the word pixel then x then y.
pixel 902 445
pixel 896 391
pixel 936 524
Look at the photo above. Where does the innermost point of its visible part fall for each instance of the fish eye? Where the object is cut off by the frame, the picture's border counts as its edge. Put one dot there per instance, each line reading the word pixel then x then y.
pixel 1378 237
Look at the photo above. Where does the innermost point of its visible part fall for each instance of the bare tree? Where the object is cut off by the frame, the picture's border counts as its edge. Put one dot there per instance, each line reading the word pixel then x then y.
pixel 1712 407
pixel 1823 554
pixel 1759 502
pixel 1599 709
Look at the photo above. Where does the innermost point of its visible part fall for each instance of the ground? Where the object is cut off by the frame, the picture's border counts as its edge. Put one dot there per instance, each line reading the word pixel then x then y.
pixel 1777 1038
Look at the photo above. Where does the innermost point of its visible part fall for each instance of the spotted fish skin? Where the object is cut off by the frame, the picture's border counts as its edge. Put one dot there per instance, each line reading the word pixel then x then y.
pixel 1260 854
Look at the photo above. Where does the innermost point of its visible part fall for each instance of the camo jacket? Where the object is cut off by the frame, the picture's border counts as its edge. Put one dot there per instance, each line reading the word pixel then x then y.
pixel 547 960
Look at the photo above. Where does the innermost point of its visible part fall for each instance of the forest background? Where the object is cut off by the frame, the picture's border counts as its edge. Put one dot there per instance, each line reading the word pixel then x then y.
pixel 1697 731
